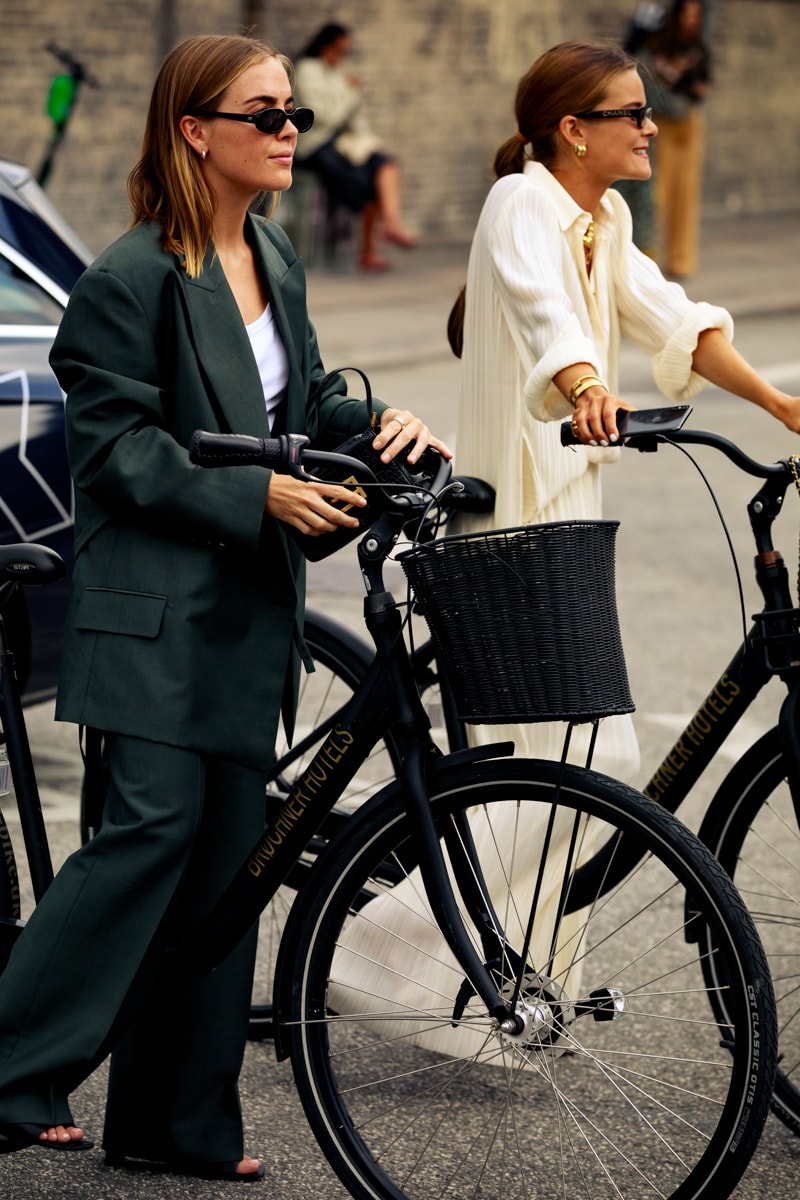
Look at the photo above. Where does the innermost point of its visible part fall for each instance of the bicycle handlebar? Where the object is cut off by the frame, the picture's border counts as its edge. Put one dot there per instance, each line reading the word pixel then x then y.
pixel 282 454
pixel 648 440
pixel 287 453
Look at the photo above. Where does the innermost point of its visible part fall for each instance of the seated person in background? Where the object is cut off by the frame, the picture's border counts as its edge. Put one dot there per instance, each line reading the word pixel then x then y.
pixel 342 150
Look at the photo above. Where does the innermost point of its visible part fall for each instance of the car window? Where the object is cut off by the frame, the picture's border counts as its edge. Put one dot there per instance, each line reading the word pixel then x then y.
pixel 22 302
pixel 42 245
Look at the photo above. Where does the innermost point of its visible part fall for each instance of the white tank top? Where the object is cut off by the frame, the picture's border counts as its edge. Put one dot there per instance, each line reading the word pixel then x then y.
pixel 271 360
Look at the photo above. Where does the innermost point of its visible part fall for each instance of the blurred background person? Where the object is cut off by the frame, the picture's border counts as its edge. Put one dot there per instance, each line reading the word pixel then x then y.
pixel 349 159
pixel 676 73
pixel 646 20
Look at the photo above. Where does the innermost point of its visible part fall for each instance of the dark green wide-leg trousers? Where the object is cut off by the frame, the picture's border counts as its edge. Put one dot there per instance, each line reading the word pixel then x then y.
pixel 176 826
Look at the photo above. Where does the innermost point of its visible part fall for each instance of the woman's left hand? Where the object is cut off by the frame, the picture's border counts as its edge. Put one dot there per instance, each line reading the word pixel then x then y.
pixel 399 428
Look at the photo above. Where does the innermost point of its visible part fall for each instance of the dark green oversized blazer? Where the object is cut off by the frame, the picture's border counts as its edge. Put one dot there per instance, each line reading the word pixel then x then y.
pixel 186 609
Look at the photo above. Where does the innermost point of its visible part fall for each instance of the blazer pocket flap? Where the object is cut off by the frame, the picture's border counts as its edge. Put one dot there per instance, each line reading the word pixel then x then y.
pixel 106 610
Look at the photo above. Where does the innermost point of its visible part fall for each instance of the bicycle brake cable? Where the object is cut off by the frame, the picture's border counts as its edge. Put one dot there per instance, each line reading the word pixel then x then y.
pixel 725 530
pixel 794 459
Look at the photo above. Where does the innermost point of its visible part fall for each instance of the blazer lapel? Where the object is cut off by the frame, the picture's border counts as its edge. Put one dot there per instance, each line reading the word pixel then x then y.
pixel 224 352
pixel 286 288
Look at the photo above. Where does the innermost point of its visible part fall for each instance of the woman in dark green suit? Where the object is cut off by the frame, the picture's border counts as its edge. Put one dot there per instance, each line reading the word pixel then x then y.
pixel 183 640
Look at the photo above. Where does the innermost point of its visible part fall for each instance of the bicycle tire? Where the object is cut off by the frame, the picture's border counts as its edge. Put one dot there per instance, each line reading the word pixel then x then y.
pixel 657 1102
pixel 752 828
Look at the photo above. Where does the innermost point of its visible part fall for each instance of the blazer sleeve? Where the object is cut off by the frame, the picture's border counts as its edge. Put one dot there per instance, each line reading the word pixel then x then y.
pixel 109 359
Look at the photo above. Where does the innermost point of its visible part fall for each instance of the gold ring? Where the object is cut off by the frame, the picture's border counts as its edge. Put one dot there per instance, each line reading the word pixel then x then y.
pixel 574 428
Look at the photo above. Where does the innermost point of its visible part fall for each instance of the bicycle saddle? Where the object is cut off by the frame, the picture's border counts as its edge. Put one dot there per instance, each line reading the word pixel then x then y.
pixel 476 496
pixel 30 564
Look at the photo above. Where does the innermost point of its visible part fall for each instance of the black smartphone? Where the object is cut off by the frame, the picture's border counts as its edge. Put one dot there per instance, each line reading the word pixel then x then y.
pixel 641 422
pixel 652 420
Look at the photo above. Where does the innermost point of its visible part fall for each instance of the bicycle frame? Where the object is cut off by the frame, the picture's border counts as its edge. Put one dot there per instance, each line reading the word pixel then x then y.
pixel 423 659
pixel 388 697
pixel 12 720
pixel 751 668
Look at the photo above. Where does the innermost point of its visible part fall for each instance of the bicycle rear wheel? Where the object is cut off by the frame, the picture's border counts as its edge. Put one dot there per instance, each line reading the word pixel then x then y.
pixel 752 828
pixel 413 1091
pixel 10 908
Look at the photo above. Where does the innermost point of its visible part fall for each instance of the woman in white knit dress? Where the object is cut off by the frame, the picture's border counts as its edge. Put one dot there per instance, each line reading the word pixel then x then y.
pixel 554 280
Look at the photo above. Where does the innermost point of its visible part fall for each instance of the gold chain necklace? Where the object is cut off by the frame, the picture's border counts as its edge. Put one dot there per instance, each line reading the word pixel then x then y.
pixel 588 240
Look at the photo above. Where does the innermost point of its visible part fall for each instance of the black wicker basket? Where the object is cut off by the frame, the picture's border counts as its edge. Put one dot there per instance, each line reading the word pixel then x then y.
pixel 525 621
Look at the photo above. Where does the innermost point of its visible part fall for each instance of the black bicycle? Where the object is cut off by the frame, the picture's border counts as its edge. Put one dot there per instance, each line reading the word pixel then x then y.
pixel 752 824
pixel 467 1011
pixel 341 661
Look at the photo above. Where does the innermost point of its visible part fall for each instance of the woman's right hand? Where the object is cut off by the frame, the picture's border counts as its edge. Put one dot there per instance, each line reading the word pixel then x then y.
pixel 306 505
pixel 595 417
pixel 595 408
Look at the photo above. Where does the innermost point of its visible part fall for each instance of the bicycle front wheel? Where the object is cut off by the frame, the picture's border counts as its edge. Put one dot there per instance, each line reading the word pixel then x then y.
pixel 752 828
pixel 621 1083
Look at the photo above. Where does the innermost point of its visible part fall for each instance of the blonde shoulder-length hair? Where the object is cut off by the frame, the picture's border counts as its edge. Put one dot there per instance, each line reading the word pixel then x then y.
pixel 167 185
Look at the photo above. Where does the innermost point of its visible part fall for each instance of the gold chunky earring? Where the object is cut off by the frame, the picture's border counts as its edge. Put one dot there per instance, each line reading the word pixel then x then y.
pixel 580 150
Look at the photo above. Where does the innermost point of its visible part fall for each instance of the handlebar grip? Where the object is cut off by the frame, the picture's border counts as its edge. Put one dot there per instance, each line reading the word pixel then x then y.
pixel 568 438
pixel 237 449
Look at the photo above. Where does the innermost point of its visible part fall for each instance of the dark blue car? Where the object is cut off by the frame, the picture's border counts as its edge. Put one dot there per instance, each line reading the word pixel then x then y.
pixel 40 260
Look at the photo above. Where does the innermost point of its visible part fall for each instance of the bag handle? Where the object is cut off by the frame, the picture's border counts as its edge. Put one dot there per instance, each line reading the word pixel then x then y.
pixel 371 415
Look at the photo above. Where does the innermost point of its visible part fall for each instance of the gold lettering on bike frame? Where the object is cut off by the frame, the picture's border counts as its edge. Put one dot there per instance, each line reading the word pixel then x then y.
pixel 713 708
pixel 305 788
pixel 7 851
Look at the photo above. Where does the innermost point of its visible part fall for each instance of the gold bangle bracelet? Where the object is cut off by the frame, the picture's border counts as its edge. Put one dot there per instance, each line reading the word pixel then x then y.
pixel 581 380
pixel 582 385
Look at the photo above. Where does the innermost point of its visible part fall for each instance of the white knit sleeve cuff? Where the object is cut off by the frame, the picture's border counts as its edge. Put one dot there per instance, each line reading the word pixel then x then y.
pixel 672 366
pixel 545 402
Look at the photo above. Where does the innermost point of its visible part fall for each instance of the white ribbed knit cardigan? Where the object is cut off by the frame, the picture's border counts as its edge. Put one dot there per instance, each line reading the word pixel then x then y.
pixel 531 310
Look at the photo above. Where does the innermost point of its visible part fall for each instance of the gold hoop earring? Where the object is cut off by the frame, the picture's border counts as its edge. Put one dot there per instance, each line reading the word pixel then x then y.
pixel 580 150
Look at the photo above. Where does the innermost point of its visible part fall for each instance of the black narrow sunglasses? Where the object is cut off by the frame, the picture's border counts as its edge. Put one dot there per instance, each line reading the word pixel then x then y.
pixel 639 115
pixel 266 120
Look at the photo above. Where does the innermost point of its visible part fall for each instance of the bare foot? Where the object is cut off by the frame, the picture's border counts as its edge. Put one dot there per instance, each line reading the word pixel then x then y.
pixel 373 262
pixel 248 1166
pixel 61 1133
pixel 400 237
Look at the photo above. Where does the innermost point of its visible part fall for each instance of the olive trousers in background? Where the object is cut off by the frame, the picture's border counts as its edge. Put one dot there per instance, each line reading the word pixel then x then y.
pixel 679 153
pixel 176 826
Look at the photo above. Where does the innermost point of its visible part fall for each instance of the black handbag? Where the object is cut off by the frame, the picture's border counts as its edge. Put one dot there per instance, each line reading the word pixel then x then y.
pixel 358 446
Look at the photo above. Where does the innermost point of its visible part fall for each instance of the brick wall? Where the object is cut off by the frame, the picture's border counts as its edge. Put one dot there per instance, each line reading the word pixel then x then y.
pixel 439 77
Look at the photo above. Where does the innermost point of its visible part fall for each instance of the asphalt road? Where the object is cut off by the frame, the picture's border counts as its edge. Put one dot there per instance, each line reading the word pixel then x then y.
pixel 681 621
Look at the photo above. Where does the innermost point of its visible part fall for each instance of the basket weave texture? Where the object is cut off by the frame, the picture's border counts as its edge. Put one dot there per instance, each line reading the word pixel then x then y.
pixel 525 621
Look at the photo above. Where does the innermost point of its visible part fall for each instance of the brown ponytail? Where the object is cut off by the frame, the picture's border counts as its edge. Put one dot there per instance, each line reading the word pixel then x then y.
pixel 510 158
pixel 455 323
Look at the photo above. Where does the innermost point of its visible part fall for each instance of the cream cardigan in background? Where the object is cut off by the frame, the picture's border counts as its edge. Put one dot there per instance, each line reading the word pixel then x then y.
pixel 335 100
